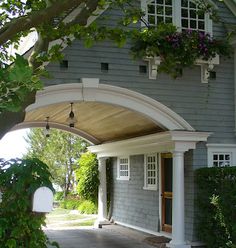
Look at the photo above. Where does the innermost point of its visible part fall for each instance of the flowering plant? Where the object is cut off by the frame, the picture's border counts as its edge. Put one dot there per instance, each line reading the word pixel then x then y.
pixel 177 50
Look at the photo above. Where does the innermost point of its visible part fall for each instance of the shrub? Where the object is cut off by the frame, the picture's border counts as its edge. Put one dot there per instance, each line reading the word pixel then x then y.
pixel 19 226
pixel 216 199
pixel 87 176
pixel 87 207
pixel 59 196
pixel 71 202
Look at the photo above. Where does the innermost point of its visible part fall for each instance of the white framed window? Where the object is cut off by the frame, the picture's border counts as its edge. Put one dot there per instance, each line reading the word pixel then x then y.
pixel 184 14
pixel 150 171
pixel 123 168
pixel 221 155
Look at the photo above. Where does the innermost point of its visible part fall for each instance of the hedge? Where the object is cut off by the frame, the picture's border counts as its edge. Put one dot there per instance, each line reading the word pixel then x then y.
pixel 216 199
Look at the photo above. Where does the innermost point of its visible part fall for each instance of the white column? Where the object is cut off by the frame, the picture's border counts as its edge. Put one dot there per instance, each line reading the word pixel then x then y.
pixel 178 220
pixel 102 190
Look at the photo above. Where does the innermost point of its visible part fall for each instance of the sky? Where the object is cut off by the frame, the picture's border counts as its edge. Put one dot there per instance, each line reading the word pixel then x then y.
pixel 13 145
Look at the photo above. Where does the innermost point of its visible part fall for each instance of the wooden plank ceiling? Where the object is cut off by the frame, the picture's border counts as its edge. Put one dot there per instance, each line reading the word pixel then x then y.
pixel 105 122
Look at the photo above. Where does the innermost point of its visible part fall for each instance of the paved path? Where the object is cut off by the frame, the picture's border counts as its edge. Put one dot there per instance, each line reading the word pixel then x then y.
pixel 95 238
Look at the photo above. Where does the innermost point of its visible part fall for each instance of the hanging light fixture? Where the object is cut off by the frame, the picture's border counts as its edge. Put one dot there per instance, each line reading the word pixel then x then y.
pixel 71 119
pixel 47 128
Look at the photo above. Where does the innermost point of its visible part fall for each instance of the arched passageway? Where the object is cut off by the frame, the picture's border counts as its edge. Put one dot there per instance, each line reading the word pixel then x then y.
pixel 120 122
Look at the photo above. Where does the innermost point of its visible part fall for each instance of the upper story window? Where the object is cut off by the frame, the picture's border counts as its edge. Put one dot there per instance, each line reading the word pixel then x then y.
pixel 159 11
pixel 191 17
pixel 123 168
pixel 221 155
pixel 184 14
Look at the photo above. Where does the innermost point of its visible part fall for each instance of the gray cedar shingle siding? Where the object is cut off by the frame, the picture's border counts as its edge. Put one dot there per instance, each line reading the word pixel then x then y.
pixel 207 107
pixel 132 204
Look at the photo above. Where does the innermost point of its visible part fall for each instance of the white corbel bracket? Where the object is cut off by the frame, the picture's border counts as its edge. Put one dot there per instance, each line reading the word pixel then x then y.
pixel 206 67
pixel 153 64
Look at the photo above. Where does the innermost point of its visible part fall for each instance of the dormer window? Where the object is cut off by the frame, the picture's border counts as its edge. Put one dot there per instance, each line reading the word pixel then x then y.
pixel 184 14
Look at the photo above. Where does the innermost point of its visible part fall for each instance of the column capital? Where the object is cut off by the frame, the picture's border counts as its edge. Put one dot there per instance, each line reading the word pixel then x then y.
pixel 102 158
pixel 183 146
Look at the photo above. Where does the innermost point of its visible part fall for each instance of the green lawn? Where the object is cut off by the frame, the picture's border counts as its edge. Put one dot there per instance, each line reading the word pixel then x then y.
pixel 67 218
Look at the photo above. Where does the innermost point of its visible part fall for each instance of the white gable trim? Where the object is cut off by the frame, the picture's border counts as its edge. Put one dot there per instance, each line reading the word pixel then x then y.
pixel 91 90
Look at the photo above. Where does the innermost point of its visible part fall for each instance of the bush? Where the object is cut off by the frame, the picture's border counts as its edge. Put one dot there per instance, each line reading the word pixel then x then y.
pixel 87 176
pixel 72 202
pixel 59 196
pixel 87 207
pixel 216 199
pixel 19 226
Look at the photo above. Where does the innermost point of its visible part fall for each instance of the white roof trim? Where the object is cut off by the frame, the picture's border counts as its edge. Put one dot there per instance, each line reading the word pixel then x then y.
pixel 34 124
pixel 161 142
pixel 231 4
pixel 91 90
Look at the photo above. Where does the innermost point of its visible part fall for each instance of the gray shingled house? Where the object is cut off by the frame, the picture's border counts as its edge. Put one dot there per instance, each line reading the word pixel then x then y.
pixel 156 130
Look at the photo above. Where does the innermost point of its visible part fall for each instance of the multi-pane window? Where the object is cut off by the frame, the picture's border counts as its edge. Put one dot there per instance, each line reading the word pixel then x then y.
pixel 123 168
pixel 150 171
pixel 184 14
pixel 191 16
pixel 220 155
pixel 221 159
pixel 159 11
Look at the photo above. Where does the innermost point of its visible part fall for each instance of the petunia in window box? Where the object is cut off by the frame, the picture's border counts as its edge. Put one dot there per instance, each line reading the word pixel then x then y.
pixel 170 51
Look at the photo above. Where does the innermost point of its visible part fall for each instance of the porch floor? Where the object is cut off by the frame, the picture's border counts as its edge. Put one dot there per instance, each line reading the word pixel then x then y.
pixel 110 236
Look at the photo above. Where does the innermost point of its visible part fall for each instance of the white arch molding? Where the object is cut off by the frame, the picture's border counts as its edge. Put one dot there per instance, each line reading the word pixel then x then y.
pixel 90 90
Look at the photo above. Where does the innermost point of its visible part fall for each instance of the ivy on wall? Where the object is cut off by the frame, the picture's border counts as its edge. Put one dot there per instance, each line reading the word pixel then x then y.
pixel 216 199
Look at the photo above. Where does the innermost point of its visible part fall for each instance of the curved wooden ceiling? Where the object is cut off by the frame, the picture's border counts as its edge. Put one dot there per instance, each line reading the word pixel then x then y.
pixel 105 122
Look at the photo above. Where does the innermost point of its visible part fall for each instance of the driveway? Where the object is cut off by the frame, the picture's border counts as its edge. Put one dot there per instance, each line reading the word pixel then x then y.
pixel 106 237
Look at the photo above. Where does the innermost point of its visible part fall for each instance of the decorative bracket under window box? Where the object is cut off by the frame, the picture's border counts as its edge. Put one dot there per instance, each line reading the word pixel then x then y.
pixel 206 66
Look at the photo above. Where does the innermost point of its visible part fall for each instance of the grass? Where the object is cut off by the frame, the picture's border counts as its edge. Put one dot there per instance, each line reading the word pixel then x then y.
pixel 84 223
pixel 65 217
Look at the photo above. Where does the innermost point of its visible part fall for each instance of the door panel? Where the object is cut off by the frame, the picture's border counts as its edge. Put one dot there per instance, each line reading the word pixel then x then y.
pixel 167 194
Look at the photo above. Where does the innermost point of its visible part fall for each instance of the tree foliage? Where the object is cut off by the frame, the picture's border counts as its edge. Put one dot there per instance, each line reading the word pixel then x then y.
pixel 56 23
pixel 87 176
pixel 60 152
pixel 49 18
pixel 19 226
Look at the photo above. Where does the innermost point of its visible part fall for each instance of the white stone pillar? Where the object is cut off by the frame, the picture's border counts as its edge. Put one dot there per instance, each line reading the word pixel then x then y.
pixel 102 190
pixel 178 220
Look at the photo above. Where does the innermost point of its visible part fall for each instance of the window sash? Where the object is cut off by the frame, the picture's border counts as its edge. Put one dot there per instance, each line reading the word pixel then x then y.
pixel 150 171
pixel 203 23
pixel 123 168
pixel 222 159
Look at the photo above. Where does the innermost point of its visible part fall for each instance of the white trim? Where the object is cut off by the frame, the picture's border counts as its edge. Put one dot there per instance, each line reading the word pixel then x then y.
pixel 119 177
pixel 221 149
pixel 160 192
pixel 91 90
pixel 154 143
pixel 154 186
pixel 33 124
pixel 176 15
pixel 168 235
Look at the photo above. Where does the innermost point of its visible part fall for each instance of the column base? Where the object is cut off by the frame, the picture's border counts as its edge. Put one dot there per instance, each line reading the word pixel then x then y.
pixel 100 223
pixel 178 245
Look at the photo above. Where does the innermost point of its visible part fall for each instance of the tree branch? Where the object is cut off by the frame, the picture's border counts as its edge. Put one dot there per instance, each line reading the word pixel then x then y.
pixel 35 19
